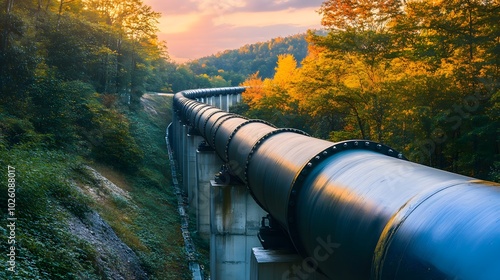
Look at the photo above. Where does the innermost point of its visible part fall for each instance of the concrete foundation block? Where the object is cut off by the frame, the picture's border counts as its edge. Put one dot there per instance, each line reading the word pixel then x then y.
pixel 281 265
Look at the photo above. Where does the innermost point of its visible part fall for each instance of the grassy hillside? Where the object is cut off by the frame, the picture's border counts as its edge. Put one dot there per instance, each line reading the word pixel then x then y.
pixel 59 203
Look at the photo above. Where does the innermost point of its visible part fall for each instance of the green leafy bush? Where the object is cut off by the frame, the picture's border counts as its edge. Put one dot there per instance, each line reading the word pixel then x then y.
pixel 110 138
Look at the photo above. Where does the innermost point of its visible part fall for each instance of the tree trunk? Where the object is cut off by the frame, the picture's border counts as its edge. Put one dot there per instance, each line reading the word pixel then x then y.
pixel 5 34
pixel 9 5
pixel 61 3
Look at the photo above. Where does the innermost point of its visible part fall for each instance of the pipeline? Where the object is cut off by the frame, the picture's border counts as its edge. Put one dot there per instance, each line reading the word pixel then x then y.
pixel 356 209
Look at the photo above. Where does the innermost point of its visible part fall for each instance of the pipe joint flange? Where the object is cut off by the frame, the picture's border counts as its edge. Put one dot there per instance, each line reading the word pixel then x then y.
pixel 208 118
pixel 187 108
pixel 315 161
pixel 368 145
pixel 192 108
pixel 256 147
pixel 226 151
pixel 228 116
pixel 200 113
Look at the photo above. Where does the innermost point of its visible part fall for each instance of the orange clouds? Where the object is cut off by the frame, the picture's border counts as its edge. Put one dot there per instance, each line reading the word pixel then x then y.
pixel 204 27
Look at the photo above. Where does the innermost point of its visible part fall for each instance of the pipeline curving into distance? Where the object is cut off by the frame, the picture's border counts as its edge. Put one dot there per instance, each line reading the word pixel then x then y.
pixel 356 209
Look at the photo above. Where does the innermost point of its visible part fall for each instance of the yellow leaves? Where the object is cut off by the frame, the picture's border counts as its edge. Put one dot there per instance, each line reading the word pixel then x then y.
pixel 447 68
pixel 286 71
pixel 401 68
pixel 273 92
pixel 255 91
pixel 358 14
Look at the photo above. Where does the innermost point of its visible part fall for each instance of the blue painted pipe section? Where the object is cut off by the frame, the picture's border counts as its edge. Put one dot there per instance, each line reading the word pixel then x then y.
pixel 356 209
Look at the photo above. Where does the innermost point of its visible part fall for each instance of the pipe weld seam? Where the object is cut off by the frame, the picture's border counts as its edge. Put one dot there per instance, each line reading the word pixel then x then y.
pixel 298 181
pixel 396 221
pixel 218 125
pixel 226 151
pixel 256 147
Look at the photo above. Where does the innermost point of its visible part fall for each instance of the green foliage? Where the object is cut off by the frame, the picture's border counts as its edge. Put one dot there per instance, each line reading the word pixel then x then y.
pixel 52 62
pixel 164 257
pixel 70 73
pixel 15 131
pixel 110 138
pixel 45 249
pixel 114 51
pixel 234 65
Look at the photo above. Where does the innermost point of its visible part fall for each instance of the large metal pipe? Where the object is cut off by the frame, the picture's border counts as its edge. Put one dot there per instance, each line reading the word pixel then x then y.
pixel 356 209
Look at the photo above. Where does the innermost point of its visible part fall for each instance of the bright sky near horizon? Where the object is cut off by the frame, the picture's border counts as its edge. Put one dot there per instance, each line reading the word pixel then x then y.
pixel 197 28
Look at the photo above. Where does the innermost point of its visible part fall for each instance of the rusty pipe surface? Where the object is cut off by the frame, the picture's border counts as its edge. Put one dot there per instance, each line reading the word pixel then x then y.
pixel 356 209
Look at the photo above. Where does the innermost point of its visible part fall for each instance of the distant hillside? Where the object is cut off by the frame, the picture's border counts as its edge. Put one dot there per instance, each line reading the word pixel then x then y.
pixel 236 65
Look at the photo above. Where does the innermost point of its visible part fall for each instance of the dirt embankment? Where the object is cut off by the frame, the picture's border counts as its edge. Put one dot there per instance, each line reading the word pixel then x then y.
pixel 115 260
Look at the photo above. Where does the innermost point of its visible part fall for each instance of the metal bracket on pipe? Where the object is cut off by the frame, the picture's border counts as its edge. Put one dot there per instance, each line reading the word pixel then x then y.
pixel 225 177
pixel 207 119
pixel 204 147
pixel 218 125
pixel 198 116
pixel 226 151
pixel 272 235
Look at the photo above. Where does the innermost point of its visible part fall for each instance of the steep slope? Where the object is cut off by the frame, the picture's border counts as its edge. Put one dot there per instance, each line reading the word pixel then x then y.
pixel 73 221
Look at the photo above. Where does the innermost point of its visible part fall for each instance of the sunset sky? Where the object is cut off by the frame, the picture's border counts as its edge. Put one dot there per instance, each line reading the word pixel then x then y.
pixel 197 28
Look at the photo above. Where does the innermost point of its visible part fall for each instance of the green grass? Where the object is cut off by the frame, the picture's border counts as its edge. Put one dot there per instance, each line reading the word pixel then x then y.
pixel 44 198
pixel 47 194
pixel 158 222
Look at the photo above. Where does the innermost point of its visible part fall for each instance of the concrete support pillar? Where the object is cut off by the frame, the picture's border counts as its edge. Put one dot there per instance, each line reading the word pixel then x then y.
pixel 238 98
pixel 217 101
pixel 223 103
pixel 235 221
pixel 282 264
pixel 184 157
pixel 230 101
pixel 208 164
pixel 191 182
pixel 234 99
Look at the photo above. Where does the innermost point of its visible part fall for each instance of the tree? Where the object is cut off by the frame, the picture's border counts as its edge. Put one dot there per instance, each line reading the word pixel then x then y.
pixel 133 27
pixel 421 76
pixel 359 15
pixel 273 99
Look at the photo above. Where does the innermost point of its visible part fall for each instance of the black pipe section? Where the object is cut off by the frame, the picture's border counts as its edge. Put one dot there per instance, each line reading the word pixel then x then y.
pixel 356 209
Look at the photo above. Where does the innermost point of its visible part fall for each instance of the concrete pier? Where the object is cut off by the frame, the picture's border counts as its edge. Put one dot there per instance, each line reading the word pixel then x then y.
pixel 208 164
pixel 184 157
pixel 235 221
pixel 217 101
pixel 224 105
pixel 193 140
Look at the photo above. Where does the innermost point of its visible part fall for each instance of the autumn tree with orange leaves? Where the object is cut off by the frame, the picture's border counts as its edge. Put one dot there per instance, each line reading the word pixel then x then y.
pixel 420 76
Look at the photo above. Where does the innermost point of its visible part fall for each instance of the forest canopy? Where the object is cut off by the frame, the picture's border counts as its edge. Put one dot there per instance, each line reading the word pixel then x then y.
pixel 420 76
